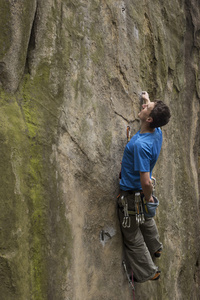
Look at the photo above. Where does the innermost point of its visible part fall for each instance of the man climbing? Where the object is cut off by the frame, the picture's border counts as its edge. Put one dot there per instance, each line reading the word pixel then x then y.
pixel 141 240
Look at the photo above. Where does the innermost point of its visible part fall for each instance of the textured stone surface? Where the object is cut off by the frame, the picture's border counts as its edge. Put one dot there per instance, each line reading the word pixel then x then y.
pixel 70 74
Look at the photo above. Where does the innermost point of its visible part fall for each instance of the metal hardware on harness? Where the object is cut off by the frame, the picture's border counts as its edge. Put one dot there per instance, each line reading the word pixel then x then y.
pixel 126 223
pixel 139 209
pixel 128 133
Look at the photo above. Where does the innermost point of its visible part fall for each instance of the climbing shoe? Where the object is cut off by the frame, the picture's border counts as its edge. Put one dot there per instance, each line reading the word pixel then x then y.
pixel 158 253
pixel 156 276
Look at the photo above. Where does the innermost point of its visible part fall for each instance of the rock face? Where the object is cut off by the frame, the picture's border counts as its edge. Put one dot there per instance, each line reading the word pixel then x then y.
pixel 70 74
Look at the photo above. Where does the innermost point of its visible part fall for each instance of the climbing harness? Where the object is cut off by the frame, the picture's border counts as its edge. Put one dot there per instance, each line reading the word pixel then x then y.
pixel 137 212
pixel 131 282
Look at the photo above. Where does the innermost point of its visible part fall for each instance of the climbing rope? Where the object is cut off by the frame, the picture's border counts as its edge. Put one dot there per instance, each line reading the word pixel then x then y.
pixel 128 135
pixel 130 280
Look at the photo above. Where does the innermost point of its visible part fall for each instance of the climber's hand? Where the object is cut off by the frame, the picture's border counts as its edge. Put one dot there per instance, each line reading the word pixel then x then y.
pixel 150 200
pixel 145 97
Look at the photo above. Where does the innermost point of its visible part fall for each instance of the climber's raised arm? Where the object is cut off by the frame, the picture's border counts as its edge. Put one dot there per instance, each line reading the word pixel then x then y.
pixel 145 97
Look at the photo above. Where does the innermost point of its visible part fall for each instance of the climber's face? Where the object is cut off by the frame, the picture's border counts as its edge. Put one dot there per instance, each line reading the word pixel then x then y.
pixel 146 110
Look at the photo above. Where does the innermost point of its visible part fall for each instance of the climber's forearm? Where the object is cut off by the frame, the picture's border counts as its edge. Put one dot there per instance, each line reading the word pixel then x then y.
pixel 147 187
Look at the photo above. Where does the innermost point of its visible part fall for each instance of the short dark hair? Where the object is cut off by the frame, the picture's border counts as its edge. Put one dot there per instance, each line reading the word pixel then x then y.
pixel 160 114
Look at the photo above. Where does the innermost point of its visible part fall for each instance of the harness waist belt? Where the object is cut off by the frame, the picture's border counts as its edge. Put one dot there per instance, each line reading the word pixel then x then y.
pixel 130 192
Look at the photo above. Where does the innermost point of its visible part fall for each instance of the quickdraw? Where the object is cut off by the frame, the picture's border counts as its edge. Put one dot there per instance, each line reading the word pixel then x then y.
pixel 128 133
pixel 139 209
pixel 131 282
pixel 126 223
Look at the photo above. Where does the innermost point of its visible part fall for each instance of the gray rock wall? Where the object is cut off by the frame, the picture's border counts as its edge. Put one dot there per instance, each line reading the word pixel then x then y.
pixel 70 74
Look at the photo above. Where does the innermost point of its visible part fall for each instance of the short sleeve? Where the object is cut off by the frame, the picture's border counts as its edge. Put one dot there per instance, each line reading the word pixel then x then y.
pixel 142 157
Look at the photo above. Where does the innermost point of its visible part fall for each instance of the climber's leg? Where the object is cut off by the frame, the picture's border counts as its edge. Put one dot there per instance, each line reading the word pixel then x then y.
pixel 137 253
pixel 151 237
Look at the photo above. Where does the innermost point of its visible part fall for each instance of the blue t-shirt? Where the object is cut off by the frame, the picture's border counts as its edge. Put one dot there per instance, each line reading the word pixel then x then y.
pixel 140 155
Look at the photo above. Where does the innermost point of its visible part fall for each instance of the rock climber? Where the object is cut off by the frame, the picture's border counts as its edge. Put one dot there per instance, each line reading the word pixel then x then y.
pixel 141 241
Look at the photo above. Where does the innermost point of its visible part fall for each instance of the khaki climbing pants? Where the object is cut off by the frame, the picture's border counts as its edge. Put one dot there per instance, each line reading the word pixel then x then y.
pixel 140 242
